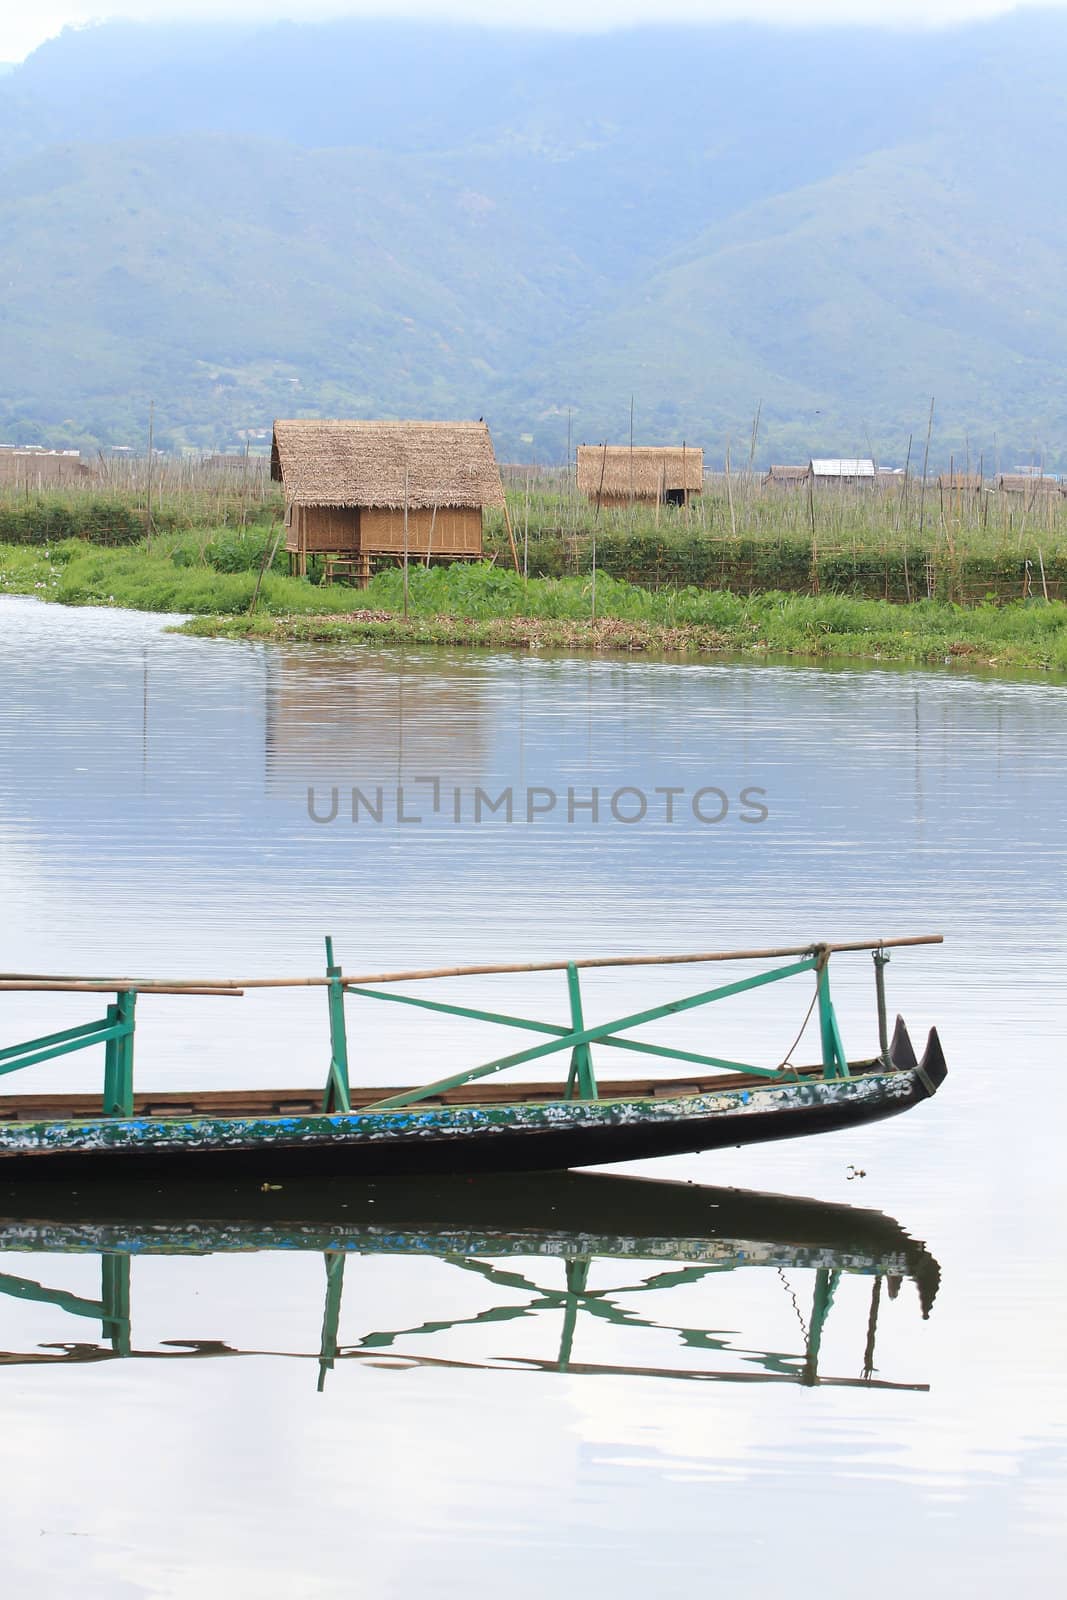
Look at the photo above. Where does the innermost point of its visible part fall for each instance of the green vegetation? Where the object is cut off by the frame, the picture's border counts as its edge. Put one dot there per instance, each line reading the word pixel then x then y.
pixel 216 573
pixel 115 510
pixel 486 605
pixel 901 543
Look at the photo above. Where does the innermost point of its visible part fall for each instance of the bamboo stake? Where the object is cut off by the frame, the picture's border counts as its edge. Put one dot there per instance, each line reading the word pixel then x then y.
pixel 151 448
pixel 814 545
pixel 730 495
pixel 405 544
pixel 926 462
pixel 592 606
pixel 268 561
pixel 526 537
pixel 600 485
pixel 511 536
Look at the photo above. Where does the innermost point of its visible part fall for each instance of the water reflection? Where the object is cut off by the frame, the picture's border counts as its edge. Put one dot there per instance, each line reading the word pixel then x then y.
pixel 365 717
pixel 535 1249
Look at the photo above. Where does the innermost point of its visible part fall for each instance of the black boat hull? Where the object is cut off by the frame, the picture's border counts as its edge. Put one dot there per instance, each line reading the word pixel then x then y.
pixel 425 1140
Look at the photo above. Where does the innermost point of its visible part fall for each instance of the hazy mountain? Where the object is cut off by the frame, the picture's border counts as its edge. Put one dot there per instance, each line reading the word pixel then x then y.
pixel 369 218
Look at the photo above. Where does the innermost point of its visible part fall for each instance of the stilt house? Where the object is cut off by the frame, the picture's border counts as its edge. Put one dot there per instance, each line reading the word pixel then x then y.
pixel 359 490
pixel 615 475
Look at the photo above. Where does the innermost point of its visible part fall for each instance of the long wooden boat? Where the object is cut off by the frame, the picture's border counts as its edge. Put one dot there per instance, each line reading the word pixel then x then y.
pixel 456 1124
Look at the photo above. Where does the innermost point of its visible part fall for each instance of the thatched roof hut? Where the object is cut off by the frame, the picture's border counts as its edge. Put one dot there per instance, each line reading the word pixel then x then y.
pixel 354 490
pixel 1027 483
pixel 615 474
pixel 788 477
pixel 364 464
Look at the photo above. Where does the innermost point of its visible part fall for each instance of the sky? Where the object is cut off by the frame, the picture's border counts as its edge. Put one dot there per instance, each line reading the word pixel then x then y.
pixel 23 28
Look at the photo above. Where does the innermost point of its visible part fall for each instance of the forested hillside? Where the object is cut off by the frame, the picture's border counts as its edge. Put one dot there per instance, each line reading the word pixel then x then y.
pixel 379 219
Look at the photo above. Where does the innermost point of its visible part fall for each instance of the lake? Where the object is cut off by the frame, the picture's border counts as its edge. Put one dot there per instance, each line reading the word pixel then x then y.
pixel 648 1380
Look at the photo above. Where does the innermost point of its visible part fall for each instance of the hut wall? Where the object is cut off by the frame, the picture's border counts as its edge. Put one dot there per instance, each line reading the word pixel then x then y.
pixel 33 471
pixel 322 528
pixel 380 531
pixel 456 531
pixel 642 497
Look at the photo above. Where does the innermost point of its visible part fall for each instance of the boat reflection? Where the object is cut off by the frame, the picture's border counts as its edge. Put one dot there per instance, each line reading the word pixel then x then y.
pixel 531 1244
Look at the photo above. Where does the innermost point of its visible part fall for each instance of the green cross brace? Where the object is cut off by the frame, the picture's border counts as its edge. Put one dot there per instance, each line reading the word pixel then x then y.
pixel 580 1036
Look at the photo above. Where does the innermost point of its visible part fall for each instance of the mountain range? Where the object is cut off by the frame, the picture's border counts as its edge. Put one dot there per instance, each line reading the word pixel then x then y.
pixel 828 226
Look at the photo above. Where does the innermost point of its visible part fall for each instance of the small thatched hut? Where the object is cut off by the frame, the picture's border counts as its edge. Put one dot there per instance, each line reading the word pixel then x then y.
pixel 1027 483
pixel 788 477
pixel 354 490
pixel 615 475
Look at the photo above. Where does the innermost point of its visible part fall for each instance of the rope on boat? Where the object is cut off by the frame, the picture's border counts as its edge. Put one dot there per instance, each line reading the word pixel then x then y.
pixel 785 1061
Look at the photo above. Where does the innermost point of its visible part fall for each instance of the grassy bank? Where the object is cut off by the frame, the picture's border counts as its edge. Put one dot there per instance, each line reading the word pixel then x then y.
pixel 928 632
pixel 215 579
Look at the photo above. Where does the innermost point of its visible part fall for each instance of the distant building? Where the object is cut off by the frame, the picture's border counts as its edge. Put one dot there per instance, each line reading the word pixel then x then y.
pixel 355 490
pixel 788 477
pixel 1026 483
pixel 33 468
pixel 844 470
pixel 616 475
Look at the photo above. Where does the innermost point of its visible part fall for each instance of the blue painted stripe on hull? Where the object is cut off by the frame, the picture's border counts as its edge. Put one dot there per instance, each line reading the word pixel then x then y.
pixel 858 1099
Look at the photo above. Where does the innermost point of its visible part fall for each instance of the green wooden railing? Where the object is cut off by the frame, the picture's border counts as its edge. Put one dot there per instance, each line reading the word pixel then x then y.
pixel 576 1037
pixel 115 1030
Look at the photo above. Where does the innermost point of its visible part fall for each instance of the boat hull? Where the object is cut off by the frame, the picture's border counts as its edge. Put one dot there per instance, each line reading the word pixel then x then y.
pixel 438 1139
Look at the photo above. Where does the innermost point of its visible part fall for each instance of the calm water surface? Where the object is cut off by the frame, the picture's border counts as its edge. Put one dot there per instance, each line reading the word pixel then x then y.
pixel 601 1381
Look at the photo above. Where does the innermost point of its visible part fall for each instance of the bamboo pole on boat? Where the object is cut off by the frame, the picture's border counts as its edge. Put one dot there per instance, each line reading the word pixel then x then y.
pixel 14 980
pixel 225 991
